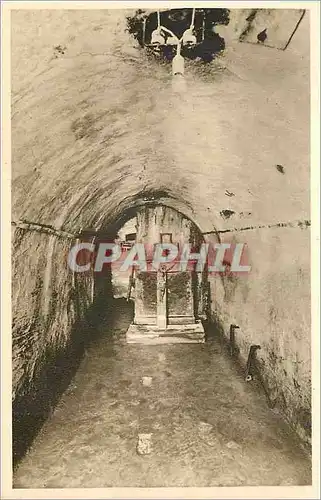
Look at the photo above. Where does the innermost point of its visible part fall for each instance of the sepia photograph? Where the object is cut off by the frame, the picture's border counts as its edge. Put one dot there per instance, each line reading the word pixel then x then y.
pixel 160 288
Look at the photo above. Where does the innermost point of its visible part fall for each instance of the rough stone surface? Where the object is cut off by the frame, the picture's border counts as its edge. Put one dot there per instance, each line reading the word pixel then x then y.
pixel 97 127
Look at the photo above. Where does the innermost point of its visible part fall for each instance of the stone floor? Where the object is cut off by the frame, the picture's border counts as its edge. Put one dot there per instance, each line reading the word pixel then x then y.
pixel 205 426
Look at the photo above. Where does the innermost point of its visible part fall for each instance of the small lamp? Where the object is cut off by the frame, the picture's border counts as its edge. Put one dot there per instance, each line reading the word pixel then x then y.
pixel 189 38
pixel 157 38
pixel 178 65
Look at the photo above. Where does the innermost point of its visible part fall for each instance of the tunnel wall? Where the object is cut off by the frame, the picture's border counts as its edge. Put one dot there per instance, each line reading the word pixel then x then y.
pixel 97 124
pixel 48 303
pixel 269 304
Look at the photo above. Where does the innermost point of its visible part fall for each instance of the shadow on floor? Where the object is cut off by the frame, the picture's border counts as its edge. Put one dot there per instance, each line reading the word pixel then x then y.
pixel 34 405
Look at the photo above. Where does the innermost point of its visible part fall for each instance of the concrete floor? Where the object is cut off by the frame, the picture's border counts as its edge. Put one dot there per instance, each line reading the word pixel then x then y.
pixel 209 428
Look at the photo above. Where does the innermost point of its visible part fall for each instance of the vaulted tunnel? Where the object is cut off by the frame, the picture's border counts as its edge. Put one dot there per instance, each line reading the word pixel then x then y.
pixel 100 132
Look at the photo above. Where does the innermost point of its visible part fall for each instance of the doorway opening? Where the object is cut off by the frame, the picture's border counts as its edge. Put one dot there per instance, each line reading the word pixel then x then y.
pixel 169 302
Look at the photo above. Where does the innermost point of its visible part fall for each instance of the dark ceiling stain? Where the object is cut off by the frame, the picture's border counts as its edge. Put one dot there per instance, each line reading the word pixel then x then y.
pixel 280 169
pixel 262 36
pixel 226 214
pixel 251 17
pixel 59 50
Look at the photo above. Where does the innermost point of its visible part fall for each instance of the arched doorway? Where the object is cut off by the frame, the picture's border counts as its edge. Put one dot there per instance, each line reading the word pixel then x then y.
pixel 169 297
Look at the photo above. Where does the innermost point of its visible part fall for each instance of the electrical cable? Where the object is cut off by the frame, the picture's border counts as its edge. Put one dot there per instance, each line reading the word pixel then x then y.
pixel 193 19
